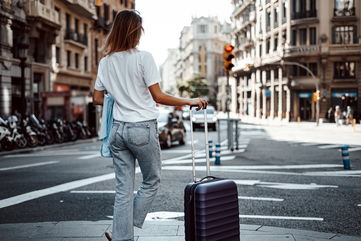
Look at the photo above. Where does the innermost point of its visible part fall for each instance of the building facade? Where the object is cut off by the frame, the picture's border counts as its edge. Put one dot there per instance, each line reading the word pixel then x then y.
pixel 201 51
pixel 62 41
pixel 288 49
pixel 168 72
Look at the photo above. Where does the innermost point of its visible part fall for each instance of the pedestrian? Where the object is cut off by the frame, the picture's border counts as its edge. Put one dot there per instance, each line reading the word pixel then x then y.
pixel 329 114
pixel 132 78
pixel 349 115
pixel 337 115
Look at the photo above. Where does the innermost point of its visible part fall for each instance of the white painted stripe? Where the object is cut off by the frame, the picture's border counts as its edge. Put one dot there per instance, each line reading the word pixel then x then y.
pixel 28 165
pixel 282 217
pixel 55 153
pixel 93 191
pixel 358 205
pixel 354 149
pixel 89 156
pixel 170 162
pixel 56 189
pixel 333 173
pixel 179 151
pixel 310 144
pixel 329 146
pixel 261 198
pixel 266 167
pixel 279 185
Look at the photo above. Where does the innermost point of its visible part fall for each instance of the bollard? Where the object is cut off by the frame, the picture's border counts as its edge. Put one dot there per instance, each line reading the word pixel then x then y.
pixel 210 148
pixel 218 155
pixel 345 157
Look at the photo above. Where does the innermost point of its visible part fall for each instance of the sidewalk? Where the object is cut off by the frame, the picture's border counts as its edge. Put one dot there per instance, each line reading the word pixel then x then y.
pixel 42 148
pixel 152 231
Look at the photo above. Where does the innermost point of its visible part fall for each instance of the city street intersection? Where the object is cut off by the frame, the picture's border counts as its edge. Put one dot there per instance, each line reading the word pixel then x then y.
pixel 287 184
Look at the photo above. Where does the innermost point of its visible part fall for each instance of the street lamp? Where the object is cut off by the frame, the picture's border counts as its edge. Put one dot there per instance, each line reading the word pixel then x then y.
pixel 23 54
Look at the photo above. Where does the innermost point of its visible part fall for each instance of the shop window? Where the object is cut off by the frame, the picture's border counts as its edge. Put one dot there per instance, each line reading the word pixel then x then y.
pixel 68 58
pixel 303 36
pixel 313 37
pixel 344 70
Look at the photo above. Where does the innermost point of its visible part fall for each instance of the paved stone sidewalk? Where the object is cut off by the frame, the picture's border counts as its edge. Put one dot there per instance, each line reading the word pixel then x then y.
pixel 152 231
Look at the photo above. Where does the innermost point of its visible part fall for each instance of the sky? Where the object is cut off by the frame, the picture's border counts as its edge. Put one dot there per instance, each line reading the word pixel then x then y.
pixel 163 20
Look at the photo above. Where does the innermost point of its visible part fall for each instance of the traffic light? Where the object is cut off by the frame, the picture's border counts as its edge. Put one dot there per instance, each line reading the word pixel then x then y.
pixel 227 58
pixel 316 96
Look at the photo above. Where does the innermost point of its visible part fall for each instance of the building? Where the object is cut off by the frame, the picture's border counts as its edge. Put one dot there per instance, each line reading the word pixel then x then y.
pixel 168 72
pixel 201 51
pixel 50 52
pixel 288 49
pixel 15 66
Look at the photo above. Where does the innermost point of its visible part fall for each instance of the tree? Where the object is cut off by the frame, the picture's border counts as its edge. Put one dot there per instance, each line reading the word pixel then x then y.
pixel 195 87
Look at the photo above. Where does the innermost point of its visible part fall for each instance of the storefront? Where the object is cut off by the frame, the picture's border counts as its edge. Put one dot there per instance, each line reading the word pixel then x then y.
pixel 305 105
pixel 344 98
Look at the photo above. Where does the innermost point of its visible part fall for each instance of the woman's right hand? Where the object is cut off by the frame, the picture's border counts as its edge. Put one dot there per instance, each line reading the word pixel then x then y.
pixel 201 103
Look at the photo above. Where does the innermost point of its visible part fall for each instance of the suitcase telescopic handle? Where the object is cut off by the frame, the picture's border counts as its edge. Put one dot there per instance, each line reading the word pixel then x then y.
pixel 206 143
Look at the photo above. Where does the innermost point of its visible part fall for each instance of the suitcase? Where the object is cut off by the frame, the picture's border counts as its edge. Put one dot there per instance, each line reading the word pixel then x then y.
pixel 211 211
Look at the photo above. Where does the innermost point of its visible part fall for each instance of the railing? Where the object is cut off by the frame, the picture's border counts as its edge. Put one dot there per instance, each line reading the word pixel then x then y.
pixel 302 49
pixel 80 38
pixel 37 9
pixel 307 14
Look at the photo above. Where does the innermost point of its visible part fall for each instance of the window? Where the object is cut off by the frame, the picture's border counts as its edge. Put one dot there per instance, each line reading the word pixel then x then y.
pixel 275 43
pixel 68 58
pixel 313 37
pixel 86 63
pixel 77 26
pixel 303 36
pixel 345 35
pixel 57 10
pixel 67 20
pixel 77 60
pixel 294 37
pixel 57 55
pixel 344 8
pixel 215 29
pixel 300 71
pixel 313 68
pixel 202 28
pixel 268 46
pixel 275 16
pixel 268 21
pixel 284 12
pixel 96 45
pixel 344 70
pixel 106 12
pixel 260 50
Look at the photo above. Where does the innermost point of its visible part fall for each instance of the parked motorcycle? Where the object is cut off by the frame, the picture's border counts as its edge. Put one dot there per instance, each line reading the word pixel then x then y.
pixel 18 139
pixel 38 129
pixel 30 135
pixel 5 136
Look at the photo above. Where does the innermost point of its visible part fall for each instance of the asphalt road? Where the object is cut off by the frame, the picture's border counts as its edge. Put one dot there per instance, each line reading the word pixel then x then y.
pixel 284 184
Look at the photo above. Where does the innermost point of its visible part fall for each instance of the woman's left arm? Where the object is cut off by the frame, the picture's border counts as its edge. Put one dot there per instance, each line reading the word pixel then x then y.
pixel 98 97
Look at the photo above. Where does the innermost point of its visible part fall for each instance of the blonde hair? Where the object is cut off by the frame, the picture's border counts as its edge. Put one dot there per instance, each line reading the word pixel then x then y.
pixel 125 32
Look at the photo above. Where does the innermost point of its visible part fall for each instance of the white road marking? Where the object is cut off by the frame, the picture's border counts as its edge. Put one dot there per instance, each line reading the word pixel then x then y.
pixel 55 153
pixel 354 149
pixel 279 185
pixel 56 189
pixel 179 151
pixel 330 146
pixel 96 192
pixel 358 205
pixel 255 167
pixel 334 173
pixel 195 142
pixel 28 165
pixel 170 162
pixel 310 144
pixel 282 217
pixel 89 156
pixel 261 198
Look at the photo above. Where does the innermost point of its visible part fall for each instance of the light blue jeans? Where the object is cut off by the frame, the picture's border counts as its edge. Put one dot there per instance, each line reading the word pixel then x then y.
pixel 130 141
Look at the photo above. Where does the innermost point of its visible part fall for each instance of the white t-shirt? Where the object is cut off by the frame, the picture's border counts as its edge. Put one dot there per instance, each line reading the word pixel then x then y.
pixel 126 76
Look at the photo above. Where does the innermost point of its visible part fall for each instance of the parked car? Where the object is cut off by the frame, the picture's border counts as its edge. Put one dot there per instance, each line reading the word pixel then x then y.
pixel 185 114
pixel 198 118
pixel 170 128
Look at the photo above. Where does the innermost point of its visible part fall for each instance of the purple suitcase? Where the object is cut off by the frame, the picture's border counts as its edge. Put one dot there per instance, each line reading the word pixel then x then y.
pixel 211 211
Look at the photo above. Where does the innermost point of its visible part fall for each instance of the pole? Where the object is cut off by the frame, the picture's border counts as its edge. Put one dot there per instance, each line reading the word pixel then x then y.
pixel 227 109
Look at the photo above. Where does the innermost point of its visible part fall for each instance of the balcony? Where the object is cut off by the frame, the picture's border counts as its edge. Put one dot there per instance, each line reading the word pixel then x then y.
pixel 76 37
pixel 306 14
pixel 345 12
pixel 81 7
pixel 38 10
pixel 301 50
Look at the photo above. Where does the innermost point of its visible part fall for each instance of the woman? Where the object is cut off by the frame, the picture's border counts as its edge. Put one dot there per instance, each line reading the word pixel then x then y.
pixel 131 77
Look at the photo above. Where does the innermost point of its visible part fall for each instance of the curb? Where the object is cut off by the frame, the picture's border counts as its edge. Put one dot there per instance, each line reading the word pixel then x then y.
pixel 42 148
